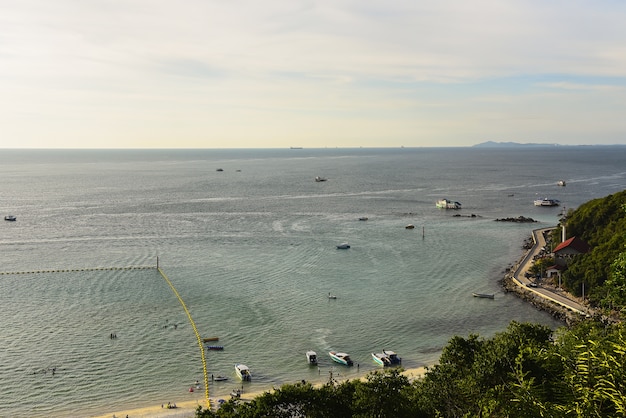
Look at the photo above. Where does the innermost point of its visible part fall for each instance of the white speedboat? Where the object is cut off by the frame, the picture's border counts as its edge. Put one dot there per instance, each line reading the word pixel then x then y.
pixel 382 359
pixel 561 183
pixel 10 218
pixel 547 202
pixel 341 358
pixel 343 246
pixel 311 357
pixel 319 179
pixel 393 357
pixel 243 372
pixel 448 204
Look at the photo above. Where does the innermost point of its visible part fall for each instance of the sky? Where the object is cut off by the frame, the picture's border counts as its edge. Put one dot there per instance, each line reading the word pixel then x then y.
pixel 314 74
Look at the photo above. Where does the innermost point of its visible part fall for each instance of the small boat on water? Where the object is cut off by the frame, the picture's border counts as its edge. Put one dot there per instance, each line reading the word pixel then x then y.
pixel 393 357
pixel 343 246
pixel 243 372
pixel 10 218
pixel 410 226
pixel 382 359
pixel 546 202
pixel 341 358
pixel 447 204
pixel 484 295
pixel 331 296
pixel 209 339
pixel 319 179
pixel 561 183
pixel 363 218
pixel 215 347
pixel 311 357
pixel 219 378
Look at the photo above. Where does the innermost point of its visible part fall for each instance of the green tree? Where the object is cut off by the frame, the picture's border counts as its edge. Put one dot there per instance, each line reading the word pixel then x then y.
pixel 601 223
pixel 384 394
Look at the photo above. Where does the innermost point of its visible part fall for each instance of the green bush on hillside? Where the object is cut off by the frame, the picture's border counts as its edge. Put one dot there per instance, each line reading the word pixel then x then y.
pixel 602 224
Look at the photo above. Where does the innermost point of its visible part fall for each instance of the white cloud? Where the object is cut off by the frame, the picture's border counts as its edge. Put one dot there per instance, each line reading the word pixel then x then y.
pixel 153 68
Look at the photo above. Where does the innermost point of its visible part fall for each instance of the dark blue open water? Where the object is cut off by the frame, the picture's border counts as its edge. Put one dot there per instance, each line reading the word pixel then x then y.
pixel 251 250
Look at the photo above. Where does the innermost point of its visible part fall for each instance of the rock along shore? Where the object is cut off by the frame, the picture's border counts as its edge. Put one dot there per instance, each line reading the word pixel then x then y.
pixel 557 311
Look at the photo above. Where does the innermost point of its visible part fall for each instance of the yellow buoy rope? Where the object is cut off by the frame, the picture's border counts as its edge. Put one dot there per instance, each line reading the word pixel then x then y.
pixel 193 325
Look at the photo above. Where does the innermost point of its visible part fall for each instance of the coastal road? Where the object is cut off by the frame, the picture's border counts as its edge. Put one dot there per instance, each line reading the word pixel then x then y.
pixel 520 279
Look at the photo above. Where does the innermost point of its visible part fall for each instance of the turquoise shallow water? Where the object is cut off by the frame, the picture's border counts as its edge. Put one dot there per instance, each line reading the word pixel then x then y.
pixel 251 250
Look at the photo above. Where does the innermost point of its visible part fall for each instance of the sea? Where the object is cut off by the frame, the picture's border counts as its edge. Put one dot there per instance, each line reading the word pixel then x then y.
pixel 249 242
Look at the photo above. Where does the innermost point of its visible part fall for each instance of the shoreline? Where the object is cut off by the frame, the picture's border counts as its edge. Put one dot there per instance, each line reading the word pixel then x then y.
pixel 187 409
pixel 568 309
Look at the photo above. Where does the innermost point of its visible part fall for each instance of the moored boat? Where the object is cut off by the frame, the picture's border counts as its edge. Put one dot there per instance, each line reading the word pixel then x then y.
pixel 206 340
pixel 215 347
pixel 382 359
pixel 546 202
pixel 343 246
pixel 341 358
pixel 447 204
pixel 243 372
pixel 484 295
pixel 311 357
pixel 393 356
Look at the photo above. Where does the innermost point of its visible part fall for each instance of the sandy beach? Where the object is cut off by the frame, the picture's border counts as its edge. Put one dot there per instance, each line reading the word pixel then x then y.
pixel 187 409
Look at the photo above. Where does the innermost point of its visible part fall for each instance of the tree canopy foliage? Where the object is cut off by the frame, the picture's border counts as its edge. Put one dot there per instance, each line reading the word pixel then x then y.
pixel 526 371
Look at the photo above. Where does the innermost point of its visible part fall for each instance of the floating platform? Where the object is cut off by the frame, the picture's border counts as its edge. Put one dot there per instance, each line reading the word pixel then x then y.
pixel 215 347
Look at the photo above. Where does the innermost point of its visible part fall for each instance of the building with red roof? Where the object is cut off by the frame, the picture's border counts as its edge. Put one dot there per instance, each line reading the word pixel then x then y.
pixel 568 249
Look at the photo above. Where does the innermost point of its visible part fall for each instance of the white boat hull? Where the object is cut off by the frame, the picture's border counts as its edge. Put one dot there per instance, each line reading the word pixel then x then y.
pixel 546 202
pixel 393 357
pixel 447 204
pixel 243 372
pixel 381 359
pixel 341 358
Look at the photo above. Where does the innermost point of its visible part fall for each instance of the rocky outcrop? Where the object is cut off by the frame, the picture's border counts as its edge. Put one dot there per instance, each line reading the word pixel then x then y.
pixel 519 219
